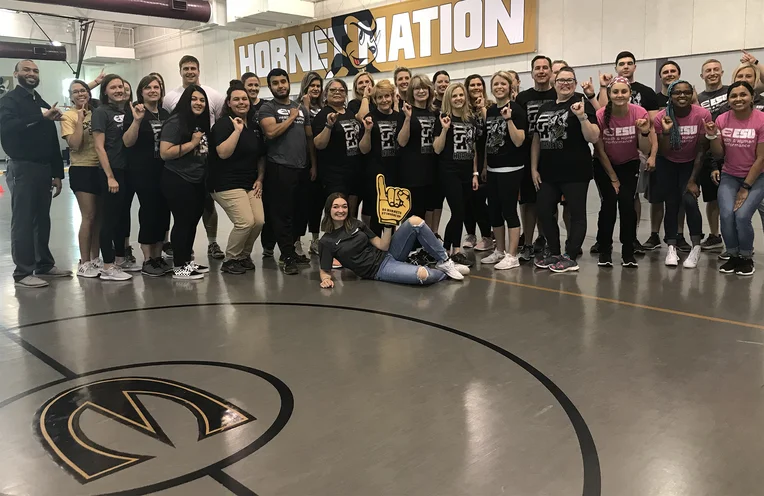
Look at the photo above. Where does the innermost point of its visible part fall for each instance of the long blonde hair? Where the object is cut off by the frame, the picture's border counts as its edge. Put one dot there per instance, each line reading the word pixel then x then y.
pixel 355 83
pixel 420 81
pixel 448 110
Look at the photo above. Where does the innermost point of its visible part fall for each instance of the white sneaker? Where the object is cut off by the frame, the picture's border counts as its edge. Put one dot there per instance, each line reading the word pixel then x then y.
pixel 187 272
pixel 130 266
pixel 463 269
pixel 495 257
pixel 692 259
pixel 508 262
pixel 485 244
pixel 31 282
pixel 449 267
pixel 202 269
pixel 97 263
pixel 470 241
pixel 298 248
pixel 114 273
pixel 87 269
pixel 672 259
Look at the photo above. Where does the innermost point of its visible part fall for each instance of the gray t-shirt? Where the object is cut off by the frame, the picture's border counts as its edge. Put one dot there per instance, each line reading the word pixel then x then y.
pixel 193 165
pixel 289 149
pixel 109 120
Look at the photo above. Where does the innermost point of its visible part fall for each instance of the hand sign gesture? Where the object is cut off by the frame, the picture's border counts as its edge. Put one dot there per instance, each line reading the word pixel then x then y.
pixel 393 204
pixel 306 100
pixel 139 111
pixel 368 123
pixel 406 110
pixel 196 138
pixel 81 113
pixel 747 58
pixel 605 79
pixel 100 77
pixel 479 104
pixel 711 129
pixel 293 113
pixel 506 112
pixel 445 121
pixel 588 88
pixel 53 113
pixel 578 109
pixel 367 91
pixel 331 119
pixel 238 124
pixel 642 125
pixel 667 124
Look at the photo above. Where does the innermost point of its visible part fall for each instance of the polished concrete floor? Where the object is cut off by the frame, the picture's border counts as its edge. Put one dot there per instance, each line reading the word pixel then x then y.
pixel 524 383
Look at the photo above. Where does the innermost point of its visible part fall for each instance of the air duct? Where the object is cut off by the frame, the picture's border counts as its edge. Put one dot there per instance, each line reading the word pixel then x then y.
pixel 187 10
pixel 10 50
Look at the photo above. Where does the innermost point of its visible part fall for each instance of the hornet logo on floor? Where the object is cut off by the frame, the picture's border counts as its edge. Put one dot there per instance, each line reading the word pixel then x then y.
pixel 57 422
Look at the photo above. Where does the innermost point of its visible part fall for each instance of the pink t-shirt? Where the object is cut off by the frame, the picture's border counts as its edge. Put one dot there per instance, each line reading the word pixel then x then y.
pixel 740 139
pixel 620 137
pixel 691 128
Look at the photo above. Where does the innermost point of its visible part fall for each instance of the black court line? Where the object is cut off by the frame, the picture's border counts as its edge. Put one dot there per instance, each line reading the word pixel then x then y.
pixel 592 483
pixel 231 484
pixel 45 358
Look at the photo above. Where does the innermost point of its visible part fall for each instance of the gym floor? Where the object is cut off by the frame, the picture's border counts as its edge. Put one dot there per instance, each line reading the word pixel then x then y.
pixel 603 382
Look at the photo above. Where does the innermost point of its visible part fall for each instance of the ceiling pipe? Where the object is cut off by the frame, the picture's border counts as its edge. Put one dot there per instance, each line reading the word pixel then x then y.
pixel 21 51
pixel 187 10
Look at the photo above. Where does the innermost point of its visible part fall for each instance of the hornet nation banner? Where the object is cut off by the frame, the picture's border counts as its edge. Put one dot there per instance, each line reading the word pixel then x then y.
pixel 417 33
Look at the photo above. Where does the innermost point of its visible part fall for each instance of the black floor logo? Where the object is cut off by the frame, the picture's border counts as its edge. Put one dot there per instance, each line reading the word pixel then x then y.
pixel 57 422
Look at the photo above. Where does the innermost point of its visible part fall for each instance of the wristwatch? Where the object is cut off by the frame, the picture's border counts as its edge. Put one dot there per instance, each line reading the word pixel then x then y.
pixel 746 186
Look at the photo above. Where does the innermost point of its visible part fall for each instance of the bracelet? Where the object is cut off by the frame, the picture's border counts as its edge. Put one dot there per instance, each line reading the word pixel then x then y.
pixel 616 180
pixel 645 134
pixel 594 95
pixel 507 120
pixel 327 126
pixel 475 173
pixel 746 186
pixel 711 138
pixel 756 62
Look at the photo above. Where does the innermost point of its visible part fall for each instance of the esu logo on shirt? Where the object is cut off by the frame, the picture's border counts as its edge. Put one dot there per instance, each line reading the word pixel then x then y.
pixel 620 131
pixel 739 133
pixel 688 130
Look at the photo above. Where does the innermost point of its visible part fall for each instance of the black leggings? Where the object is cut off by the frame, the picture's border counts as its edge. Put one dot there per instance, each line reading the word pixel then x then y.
pixel 456 185
pixel 546 204
pixel 315 206
pixel 503 191
pixel 154 214
pixel 628 174
pixel 672 180
pixel 112 236
pixel 186 202
pixel 476 212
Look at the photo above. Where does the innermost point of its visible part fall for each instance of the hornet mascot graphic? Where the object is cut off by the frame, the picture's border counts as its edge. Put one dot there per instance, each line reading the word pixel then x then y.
pixel 361 30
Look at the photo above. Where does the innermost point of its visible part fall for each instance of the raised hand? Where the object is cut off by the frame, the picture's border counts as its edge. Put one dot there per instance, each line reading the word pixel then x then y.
pixel 368 123
pixel 53 113
pixel 81 113
pixel 406 108
pixel 711 129
pixel 506 112
pixel 331 119
pixel 588 88
pixel 367 91
pixel 293 113
pixel 393 203
pixel 479 103
pixel 238 124
pixel 642 125
pixel 605 79
pixel 99 78
pixel 306 100
pixel 747 58
pixel 578 109
pixel 139 112
pixel 445 121
pixel 196 138
pixel 667 124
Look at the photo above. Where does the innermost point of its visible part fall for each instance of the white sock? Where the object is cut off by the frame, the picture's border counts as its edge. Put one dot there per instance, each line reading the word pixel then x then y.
pixel 212 240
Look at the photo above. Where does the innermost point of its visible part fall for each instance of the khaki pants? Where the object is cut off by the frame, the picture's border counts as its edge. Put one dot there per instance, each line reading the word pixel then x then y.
pixel 246 213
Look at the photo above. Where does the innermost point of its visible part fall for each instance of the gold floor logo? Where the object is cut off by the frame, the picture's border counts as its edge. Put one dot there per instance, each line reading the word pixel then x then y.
pixel 57 422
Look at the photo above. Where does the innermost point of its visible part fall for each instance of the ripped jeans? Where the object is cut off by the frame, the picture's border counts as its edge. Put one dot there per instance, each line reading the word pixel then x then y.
pixel 395 269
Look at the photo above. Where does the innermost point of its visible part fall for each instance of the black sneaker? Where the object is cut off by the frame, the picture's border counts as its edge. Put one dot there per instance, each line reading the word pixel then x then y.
pixel 682 244
pixel 545 259
pixel 247 263
pixel 302 260
pixel 289 266
pixel 606 260
pixel 653 242
pixel 594 249
pixel 526 253
pixel 460 259
pixel 165 266
pixel 233 267
pixel 725 255
pixel 629 261
pixel 712 242
pixel 129 255
pixel 745 267
pixel 730 265
pixel 167 249
pixel 539 244
pixel 521 242
pixel 214 251
pixel 153 268
pixel 638 248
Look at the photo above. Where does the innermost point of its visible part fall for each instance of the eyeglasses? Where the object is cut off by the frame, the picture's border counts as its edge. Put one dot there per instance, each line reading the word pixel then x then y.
pixel 337 90
pixel 78 92
pixel 681 93
pixel 566 81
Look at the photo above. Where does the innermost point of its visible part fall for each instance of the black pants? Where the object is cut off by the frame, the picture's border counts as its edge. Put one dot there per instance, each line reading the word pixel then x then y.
pixel 456 185
pixel 673 179
pixel 503 192
pixel 186 202
pixel 288 203
pixel 112 236
pixel 476 212
pixel 546 204
pixel 421 199
pixel 29 184
pixel 154 214
pixel 316 199
pixel 628 174
pixel 127 203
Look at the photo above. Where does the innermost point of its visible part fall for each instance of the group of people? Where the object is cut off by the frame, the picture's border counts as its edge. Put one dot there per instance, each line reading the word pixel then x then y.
pixel 282 167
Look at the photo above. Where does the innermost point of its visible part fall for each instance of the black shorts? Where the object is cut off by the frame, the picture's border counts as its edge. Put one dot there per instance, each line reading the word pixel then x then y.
pixel 85 179
pixel 654 193
pixel 707 186
pixel 527 188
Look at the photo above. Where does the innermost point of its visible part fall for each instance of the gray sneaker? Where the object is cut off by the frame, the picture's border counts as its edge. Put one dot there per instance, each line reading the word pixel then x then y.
pixel 31 282
pixel 129 266
pixel 153 268
pixel 55 272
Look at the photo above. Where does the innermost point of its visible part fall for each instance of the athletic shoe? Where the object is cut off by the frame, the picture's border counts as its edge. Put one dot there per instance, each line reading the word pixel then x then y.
pixel 580 251
pixel 302 260
pixel 129 255
pixel 267 252
pixel 202 269
pixel 31 282
pixel 98 263
pixel 459 258
pixel 233 267
pixel 629 261
pixel 495 257
pixel 449 267
pixel 526 254
pixel 745 267
pixel 508 262
pixel 672 259
pixel 165 266
pixel 725 255
pixel 336 264
pixel 87 269
pixel 730 266
pixel 712 242
pixel 653 242
pixel 565 264
pixel 54 272
pixel 539 244
pixel 638 248
pixel 289 266
pixel 129 266
pixel 167 249
pixel 606 260
pixel 314 247
pixel 463 269
pixel 114 273
pixel 186 273
pixel 521 241
pixel 692 259
pixel 682 244
pixel 298 248
pixel 153 268
pixel 469 241
pixel 546 262
pixel 214 251
pixel 594 249
pixel 246 263
pixel 485 244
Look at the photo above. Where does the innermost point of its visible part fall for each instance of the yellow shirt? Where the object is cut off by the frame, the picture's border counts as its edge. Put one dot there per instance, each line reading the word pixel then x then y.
pixel 86 156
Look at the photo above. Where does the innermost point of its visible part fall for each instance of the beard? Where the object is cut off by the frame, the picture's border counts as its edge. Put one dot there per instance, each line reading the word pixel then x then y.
pixel 23 82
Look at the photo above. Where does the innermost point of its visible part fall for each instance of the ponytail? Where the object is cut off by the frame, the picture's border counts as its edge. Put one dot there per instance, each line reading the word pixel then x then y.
pixel 608 113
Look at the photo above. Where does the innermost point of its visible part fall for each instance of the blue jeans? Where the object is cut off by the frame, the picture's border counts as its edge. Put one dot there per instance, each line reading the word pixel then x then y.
pixel 394 267
pixel 737 228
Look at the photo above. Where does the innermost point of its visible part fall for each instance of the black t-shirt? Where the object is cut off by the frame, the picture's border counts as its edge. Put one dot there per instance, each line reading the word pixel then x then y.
pixel 500 151
pixel 644 96
pixel 713 101
pixel 254 108
pixel 480 139
pixel 342 155
pixel 384 146
pixel 353 249
pixel 354 106
pixel 531 101
pixel 193 165
pixel 417 158
pixel 144 154
pixel 565 154
pixel 662 100
pixel 239 171
pixel 110 120
pixel 437 104
pixel 459 152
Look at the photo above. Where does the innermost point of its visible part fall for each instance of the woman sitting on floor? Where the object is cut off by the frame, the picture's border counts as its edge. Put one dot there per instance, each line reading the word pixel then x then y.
pixel 381 258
